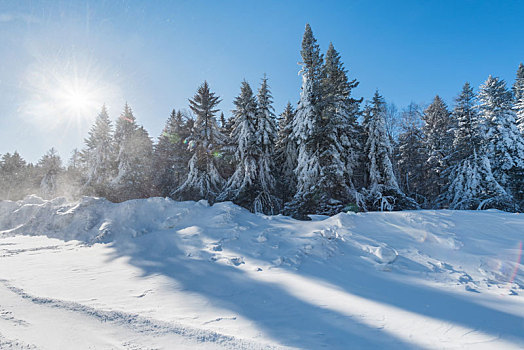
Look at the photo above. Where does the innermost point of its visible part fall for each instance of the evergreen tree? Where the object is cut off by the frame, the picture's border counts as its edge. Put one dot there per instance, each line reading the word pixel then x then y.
pixel 518 98
pixel 504 143
pixel 227 162
pixel 266 135
pixel 471 182
pixel 97 157
pixel 518 86
pixel 410 154
pixel 286 155
pixel 437 144
pixel 14 180
pixel 252 184
pixel 50 167
pixel 339 116
pixel 203 180
pixel 383 192
pixel 133 159
pixel 171 157
pixel 305 130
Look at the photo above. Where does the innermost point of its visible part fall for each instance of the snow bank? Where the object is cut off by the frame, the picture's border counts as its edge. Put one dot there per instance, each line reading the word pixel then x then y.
pixel 412 278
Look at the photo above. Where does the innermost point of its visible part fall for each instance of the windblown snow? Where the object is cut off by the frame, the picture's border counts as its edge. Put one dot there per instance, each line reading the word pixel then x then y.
pixel 160 274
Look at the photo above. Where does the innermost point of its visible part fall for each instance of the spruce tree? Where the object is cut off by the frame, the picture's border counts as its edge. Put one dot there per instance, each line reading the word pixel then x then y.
pixel 383 191
pixel 50 167
pixel 504 143
pixel 242 186
pixel 14 179
pixel 203 180
pixel 471 181
pixel 518 98
pixel 266 135
pixel 324 129
pixel 410 154
pixel 171 157
pixel 518 86
pixel 339 115
pixel 437 146
pixel 286 155
pixel 305 131
pixel 98 157
pixel 134 153
pixel 252 185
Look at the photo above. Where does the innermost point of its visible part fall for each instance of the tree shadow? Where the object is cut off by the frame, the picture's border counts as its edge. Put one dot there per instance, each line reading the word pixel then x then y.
pixel 281 316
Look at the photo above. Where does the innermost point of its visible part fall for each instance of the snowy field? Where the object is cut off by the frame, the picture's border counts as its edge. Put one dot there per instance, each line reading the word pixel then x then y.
pixel 158 274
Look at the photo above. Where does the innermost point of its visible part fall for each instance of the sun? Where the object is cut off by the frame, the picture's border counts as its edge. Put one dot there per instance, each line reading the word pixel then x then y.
pixel 65 91
pixel 77 97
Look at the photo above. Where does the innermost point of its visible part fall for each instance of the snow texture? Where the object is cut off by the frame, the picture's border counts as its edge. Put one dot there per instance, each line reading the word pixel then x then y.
pixel 158 274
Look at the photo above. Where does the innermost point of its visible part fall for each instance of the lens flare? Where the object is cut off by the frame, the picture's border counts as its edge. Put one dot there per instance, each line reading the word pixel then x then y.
pixel 63 90
pixel 517 265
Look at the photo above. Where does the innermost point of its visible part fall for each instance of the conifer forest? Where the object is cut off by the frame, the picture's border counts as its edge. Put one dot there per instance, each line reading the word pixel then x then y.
pixel 331 152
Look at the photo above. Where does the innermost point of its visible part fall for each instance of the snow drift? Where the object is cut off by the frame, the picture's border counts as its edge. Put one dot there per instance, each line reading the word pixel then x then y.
pixel 161 272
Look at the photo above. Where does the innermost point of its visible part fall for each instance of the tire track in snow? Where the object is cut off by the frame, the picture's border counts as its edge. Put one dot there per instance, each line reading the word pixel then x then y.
pixel 137 323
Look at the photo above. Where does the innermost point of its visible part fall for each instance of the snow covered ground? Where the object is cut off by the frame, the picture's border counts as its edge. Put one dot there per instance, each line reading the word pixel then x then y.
pixel 159 274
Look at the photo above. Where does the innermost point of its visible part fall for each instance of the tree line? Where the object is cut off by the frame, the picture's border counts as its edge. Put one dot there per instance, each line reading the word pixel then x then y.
pixel 330 153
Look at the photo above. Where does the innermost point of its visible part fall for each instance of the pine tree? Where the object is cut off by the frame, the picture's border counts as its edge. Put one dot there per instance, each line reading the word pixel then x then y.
pixel 504 143
pixel 171 157
pixel 471 181
pixel 134 153
pixel 437 145
pixel 410 154
pixel 383 192
pixel 203 180
pixel 97 157
pixel 286 155
pixel 50 167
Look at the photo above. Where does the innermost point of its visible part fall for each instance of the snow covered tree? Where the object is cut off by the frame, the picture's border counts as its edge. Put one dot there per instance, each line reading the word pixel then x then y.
pixel 518 86
pixel 227 161
pixel 14 180
pixel 504 142
pixel 471 181
pixel 305 130
pixel 134 159
pixel 324 129
pixel 437 145
pixel 203 180
pixel 171 157
pixel 252 184
pixel 383 191
pixel 50 167
pixel 518 98
pixel 266 135
pixel 97 157
pixel 410 154
pixel 241 187
pixel 339 116
pixel 286 155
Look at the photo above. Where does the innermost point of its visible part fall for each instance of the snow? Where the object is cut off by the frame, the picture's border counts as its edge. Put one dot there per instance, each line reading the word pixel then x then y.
pixel 159 274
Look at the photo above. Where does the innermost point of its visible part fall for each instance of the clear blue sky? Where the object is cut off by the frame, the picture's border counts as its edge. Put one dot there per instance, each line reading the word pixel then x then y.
pixel 154 54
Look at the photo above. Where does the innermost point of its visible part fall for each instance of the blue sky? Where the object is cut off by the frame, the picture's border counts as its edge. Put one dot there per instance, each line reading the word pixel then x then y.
pixel 154 54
